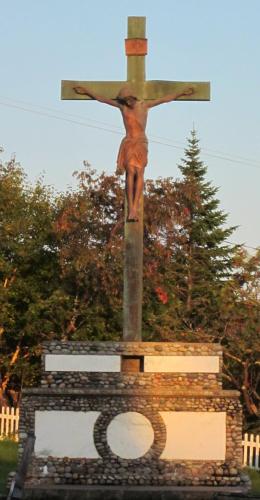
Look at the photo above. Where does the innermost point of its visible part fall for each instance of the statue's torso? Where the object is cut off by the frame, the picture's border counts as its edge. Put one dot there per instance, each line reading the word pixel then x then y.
pixel 135 119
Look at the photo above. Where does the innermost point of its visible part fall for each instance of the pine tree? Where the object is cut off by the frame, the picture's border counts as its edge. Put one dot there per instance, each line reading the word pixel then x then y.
pixel 203 258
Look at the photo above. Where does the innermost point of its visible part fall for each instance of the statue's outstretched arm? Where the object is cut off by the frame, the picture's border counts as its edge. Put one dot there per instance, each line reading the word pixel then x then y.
pixel 85 91
pixel 170 97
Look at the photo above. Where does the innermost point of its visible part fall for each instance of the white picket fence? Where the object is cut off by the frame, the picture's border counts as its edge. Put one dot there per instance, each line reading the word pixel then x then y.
pixel 251 451
pixel 9 421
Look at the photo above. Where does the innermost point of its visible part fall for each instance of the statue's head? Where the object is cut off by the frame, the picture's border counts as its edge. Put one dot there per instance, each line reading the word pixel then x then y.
pixel 126 95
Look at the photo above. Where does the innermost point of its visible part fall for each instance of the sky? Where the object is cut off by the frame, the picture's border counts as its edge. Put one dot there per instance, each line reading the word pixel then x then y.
pixel 44 42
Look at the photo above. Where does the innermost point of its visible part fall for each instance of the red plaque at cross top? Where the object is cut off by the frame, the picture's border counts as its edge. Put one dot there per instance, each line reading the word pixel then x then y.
pixel 136 46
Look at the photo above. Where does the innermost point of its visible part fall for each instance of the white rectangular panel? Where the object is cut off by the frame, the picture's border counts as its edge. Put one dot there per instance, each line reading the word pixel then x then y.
pixel 195 435
pixel 65 434
pixel 181 364
pixel 82 363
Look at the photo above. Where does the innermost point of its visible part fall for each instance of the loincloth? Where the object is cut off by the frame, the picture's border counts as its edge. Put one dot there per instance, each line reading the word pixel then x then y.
pixel 132 152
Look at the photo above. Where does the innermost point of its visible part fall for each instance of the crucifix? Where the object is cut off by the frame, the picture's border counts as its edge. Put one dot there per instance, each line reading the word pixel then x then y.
pixel 134 97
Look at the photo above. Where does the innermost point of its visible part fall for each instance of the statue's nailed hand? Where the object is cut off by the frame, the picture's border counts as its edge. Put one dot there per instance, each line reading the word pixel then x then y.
pixel 79 90
pixel 189 91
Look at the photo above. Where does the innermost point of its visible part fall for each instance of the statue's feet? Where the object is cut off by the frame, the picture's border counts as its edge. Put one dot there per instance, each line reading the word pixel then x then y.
pixel 132 216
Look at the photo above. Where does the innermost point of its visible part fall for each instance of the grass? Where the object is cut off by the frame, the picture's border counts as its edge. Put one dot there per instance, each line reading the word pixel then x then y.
pixel 255 479
pixel 8 459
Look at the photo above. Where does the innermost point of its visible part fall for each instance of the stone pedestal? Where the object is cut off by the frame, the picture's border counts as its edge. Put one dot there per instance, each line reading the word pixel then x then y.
pixel 119 414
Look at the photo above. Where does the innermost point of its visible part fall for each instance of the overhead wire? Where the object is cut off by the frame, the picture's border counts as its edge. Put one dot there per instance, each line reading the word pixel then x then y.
pixel 58 117
pixel 119 131
pixel 48 108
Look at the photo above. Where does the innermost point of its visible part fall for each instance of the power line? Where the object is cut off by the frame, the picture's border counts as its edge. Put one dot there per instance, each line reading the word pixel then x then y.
pixel 239 158
pixel 58 117
pixel 112 131
pixel 215 152
pixel 119 131
pixel 219 157
pixel 47 108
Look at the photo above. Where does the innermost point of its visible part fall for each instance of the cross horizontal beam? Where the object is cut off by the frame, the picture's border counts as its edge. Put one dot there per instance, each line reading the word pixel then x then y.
pixel 106 89
pixel 151 89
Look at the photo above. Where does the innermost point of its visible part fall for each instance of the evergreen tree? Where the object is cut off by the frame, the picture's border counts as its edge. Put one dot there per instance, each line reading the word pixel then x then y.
pixel 203 258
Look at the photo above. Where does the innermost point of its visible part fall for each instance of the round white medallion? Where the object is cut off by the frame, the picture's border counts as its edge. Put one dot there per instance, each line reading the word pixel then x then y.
pixel 130 435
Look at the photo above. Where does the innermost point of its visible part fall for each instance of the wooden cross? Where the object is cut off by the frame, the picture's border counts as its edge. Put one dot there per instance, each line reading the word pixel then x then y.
pixel 136 50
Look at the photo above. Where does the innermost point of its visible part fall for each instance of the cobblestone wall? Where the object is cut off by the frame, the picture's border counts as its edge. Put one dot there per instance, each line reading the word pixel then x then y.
pixel 202 381
pixel 133 348
pixel 149 469
pixel 148 394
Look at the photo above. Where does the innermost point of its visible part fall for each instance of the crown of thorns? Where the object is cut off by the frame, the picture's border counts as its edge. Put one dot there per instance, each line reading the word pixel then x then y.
pixel 125 92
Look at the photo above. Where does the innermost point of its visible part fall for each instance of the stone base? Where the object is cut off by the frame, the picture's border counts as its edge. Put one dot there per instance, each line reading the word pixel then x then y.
pixel 134 493
pixel 155 466
pixel 157 417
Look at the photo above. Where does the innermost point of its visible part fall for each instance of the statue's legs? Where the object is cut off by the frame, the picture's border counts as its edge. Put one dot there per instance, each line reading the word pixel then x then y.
pixel 134 189
pixel 130 180
pixel 138 187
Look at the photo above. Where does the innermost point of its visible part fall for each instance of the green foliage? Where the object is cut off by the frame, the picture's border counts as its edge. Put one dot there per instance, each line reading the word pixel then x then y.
pixel 240 316
pixel 203 259
pixel 89 231
pixel 61 271
pixel 187 259
pixel 28 270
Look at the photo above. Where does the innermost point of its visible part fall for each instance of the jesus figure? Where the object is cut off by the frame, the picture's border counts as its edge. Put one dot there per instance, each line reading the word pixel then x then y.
pixel 132 156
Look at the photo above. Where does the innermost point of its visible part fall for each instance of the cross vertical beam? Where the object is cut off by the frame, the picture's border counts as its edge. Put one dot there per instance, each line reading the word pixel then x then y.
pixel 136 49
pixel 133 277
pixel 133 234
pixel 135 63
